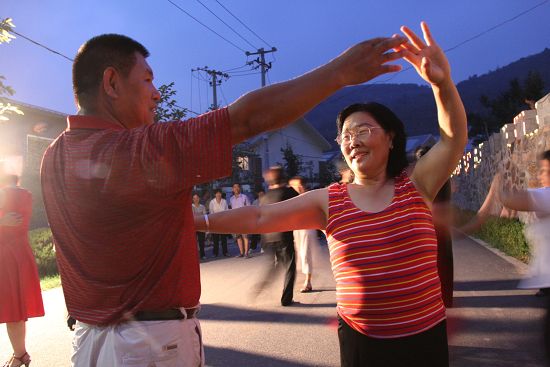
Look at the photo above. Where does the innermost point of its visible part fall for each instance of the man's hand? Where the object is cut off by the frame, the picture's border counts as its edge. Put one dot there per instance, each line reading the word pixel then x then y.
pixel 277 105
pixel 427 57
pixel 11 219
pixel 367 60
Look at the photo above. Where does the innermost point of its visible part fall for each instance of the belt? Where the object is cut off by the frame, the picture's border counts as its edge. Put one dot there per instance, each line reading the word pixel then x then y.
pixel 171 314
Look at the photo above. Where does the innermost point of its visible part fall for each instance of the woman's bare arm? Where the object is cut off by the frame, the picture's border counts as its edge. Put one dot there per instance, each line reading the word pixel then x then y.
pixel 307 211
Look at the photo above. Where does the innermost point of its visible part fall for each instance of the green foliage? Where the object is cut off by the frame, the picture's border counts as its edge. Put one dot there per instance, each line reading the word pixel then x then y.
pixel 49 282
pixel 6 26
pixel 167 109
pixel 502 233
pixel 506 235
pixel 293 162
pixel 42 246
pixel 507 105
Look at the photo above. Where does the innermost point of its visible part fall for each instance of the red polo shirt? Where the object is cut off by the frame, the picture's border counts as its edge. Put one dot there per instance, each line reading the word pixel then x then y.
pixel 119 206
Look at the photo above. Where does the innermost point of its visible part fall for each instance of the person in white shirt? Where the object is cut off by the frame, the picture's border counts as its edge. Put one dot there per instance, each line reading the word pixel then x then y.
pixel 218 204
pixel 304 240
pixel 239 200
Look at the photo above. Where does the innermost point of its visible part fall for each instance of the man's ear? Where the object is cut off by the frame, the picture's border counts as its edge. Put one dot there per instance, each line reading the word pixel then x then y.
pixel 110 84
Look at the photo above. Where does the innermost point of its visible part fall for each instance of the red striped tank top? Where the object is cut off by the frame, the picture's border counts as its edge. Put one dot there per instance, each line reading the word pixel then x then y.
pixel 385 263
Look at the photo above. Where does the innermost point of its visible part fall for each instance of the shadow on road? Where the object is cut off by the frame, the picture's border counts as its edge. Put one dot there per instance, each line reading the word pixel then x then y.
pixel 220 357
pixel 228 313
pixel 507 301
pixel 487 285
pixel 488 357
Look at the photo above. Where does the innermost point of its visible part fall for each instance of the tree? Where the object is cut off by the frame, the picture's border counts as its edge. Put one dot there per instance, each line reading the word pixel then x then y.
pixel 167 108
pixel 293 162
pixel 6 26
pixel 502 109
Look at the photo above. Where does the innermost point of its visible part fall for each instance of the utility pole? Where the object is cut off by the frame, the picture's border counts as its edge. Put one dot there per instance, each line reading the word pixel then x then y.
pixel 261 61
pixel 214 75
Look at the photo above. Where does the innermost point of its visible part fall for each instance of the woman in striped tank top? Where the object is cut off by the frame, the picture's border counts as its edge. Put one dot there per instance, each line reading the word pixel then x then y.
pixel 381 238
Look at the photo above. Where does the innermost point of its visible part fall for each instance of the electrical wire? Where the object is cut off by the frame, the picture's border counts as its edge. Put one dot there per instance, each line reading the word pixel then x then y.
pixel 37 43
pixel 204 25
pixel 240 21
pixel 450 49
pixel 228 26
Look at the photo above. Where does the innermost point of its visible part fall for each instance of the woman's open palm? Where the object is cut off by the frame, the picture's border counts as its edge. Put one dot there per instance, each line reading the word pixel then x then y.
pixel 426 56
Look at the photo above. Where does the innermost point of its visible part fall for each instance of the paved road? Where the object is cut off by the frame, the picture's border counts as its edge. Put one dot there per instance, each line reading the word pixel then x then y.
pixel 493 324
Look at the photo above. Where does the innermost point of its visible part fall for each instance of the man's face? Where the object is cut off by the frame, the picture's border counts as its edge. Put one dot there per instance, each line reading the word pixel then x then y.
pixel 138 97
pixel 236 189
pixel 297 186
pixel 544 173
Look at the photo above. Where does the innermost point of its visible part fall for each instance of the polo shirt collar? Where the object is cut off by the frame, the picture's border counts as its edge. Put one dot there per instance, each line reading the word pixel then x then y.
pixel 90 122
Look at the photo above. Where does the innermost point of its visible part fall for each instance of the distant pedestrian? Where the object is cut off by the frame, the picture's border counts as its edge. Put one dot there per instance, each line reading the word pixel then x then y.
pixel 280 244
pixel 218 204
pixel 21 297
pixel 255 238
pixel 305 240
pixel 199 209
pixel 239 200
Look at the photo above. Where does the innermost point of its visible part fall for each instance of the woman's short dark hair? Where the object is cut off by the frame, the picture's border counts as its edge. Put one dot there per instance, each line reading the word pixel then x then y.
pixel 99 53
pixel 218 190
pixel 545 155
pixel 397 160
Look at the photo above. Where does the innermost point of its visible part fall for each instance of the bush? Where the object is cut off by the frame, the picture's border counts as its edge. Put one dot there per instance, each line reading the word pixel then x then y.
pixel 42 246
pixel 505 234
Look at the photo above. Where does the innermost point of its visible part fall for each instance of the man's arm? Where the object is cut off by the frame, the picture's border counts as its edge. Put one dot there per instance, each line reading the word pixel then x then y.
pixel 277 105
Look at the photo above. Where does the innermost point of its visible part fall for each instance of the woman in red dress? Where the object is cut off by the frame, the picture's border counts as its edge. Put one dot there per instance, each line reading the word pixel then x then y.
pixel 19 282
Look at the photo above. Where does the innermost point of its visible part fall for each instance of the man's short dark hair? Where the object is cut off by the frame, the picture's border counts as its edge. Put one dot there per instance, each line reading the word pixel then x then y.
pixel 99 53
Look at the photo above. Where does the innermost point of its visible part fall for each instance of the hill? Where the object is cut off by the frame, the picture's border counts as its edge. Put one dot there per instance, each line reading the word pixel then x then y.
pixel 414 103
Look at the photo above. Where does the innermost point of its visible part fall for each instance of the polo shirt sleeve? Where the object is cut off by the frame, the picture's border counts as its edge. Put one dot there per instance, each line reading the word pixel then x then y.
pixel 186 153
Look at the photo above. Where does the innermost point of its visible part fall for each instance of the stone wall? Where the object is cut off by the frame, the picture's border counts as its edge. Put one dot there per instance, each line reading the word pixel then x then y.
pixel 513 152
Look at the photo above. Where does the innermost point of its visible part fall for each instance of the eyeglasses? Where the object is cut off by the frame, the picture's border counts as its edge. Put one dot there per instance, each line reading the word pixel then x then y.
pixel 362 132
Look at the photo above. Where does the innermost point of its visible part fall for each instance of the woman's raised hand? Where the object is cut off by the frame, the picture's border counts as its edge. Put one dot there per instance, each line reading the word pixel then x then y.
pixel 426 56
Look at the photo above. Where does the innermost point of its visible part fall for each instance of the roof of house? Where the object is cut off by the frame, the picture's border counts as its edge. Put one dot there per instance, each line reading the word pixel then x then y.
pixel 302 123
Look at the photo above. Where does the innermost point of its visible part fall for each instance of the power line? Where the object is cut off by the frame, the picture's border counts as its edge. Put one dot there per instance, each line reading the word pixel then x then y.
pixel 205 26
pixel 240 21
pixel 497 26
pixel 450 49
pixel 228 26
pixel 238 67
pixel 236 75
pixel 37 43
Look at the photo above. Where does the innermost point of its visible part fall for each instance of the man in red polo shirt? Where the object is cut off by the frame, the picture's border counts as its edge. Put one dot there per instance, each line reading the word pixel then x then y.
pixel 117 191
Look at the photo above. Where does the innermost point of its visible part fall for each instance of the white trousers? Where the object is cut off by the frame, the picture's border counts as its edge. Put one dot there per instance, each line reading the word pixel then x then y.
pixel 174 343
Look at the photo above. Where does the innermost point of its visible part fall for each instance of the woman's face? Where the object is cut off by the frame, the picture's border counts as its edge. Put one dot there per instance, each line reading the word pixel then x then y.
pixel 366 154
pixel 196 199
pixel 544 172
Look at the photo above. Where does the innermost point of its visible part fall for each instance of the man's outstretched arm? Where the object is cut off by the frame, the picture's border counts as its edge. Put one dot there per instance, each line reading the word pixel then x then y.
pixel 277 105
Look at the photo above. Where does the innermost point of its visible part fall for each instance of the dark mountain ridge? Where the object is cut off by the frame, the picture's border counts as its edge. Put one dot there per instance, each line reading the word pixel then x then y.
pixel 414 103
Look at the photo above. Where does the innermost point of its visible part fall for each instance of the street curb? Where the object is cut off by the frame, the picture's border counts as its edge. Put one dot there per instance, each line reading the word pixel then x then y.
pixel 521 267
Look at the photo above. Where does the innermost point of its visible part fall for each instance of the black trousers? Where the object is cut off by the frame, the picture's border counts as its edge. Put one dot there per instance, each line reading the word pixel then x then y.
pixel 216 237
pixel 427 349
pixel 200 239
pixel 285 261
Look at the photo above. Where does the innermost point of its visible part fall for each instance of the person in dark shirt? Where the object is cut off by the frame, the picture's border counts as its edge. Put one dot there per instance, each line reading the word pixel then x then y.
pixel 280 244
